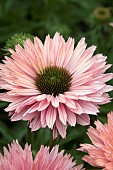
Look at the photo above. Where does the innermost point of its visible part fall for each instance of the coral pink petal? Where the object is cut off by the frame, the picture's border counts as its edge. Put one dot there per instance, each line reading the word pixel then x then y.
pixel 83 90
pixel 77 52
pixel 62 98
pixel 55 101
pixel 81 78
pixel 88 107
pixel 51 116
pixel 70 103
pixel 61 128
pixel 43 118
pixel 71 118
pixel 43 105
pixel 83 119
pixel 62 114
pixel 71 95
pixel 35 124
pixel 55 133
pixel 41 97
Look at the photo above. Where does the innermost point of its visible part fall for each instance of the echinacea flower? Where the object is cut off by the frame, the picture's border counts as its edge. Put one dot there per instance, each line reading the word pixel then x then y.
pixel 18 38
pixel 54 84
pixel 101 13
pixel 100 152
pixel 111 24
pixel 21 159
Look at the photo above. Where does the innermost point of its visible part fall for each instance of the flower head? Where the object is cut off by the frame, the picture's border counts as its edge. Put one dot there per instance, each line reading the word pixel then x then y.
pixel 21 159
pixel 54 84
pixel 111 24
pixel 100 152
pixel 18 38
pixel 101 13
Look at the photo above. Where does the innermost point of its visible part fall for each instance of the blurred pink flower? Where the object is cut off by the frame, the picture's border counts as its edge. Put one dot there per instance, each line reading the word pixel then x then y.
pixel 111 24
pixel 54 84
pixel 100 152
pixel 18 159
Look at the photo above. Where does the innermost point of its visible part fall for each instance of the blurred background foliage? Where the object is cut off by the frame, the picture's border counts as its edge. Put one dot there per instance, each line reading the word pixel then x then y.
pixel 74 18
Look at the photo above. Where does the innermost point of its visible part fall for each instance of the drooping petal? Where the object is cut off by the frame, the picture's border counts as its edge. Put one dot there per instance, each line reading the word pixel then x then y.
pixel 62 114
pixel 51 115
pixel 83 119
pixel 61 128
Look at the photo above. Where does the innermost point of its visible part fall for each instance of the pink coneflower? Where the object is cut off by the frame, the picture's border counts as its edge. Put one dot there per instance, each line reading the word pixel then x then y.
pixel 54 84
pixel 111 24
pixel 18 159
pixel 100 152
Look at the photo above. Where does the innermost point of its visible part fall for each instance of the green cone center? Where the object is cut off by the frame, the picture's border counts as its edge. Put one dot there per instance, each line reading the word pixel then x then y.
pixel 53 80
